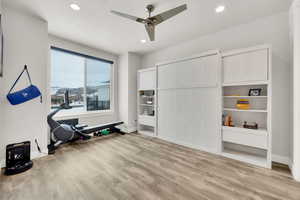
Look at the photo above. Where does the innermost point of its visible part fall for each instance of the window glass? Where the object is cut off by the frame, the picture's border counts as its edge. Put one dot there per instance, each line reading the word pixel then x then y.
pixel 88 81
pixel 98 75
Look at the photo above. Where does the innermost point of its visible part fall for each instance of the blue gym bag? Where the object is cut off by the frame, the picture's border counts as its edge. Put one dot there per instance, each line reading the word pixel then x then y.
pixel 24 95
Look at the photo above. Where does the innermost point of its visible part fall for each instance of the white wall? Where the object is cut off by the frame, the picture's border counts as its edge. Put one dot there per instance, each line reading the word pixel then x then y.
pixel 272 30
pixel 295 31
pixel 26 42
pixel 2 154
pixel 89 119
pixel 291 21
pixel 129 63
pixel 123 88
pixel 134 64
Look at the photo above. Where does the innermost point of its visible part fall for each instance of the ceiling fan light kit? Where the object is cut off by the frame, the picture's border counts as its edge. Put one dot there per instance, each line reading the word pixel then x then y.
pixel 151 22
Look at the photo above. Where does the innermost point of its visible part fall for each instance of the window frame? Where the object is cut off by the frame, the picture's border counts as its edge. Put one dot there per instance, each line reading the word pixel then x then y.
pixel 111 85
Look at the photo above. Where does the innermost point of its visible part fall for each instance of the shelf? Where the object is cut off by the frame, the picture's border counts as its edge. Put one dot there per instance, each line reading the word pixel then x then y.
pixel 150 105
pixel 147 120
pixel 147 96
pixel 245 96
pixel 260 131
pixel 239 110
pixel 146 90
pixel 152 116
pixel 246 157
pixel 246 83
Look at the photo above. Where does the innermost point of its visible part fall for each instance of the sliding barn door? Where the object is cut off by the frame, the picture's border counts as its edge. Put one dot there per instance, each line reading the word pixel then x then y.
pixel 189 103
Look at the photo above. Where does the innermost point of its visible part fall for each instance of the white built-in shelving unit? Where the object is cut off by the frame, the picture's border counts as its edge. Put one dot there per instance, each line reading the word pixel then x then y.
pixel 147 101
pixel 182 102
pixel 243 70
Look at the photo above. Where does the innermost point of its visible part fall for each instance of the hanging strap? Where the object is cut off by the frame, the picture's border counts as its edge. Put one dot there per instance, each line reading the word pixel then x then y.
pixel 25 69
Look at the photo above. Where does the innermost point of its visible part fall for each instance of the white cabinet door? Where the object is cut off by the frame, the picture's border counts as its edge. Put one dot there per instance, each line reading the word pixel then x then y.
pixel 147 80
pixel 189 103
pixel 245 137
pixel 190 117
pixel 246 67
pixel 198 72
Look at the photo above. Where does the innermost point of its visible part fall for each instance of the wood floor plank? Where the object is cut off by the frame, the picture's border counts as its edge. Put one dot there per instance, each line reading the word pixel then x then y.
pixel 135 167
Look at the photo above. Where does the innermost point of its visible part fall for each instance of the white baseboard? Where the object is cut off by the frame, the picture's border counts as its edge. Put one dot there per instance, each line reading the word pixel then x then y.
pixel 128 129
pixel 37 154
pixel 204 149
pixel 291 166
pixel 293 172
pixel 287 161
pixel 295 175
pixel 281 159
pixel 2 163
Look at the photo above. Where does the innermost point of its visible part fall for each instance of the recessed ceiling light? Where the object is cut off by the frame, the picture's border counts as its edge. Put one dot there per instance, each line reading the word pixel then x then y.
pixel 220 9
pixel 75 6
pixel 143 41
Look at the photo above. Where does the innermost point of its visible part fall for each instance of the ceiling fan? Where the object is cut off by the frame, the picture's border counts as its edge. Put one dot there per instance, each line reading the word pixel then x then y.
pixel 151 22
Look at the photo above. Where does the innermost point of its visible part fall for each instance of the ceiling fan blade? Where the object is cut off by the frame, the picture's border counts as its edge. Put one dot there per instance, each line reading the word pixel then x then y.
pixel 137 19
pixel 168 14
pixel 151 31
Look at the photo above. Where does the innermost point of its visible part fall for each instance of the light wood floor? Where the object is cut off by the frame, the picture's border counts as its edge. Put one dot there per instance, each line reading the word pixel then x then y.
pixel 136 167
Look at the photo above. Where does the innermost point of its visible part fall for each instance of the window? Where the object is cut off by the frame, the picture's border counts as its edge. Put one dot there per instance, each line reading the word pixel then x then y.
pixel 88 80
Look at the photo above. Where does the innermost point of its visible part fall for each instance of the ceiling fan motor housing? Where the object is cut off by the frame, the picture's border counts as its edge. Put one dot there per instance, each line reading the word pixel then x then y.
pixel 150 8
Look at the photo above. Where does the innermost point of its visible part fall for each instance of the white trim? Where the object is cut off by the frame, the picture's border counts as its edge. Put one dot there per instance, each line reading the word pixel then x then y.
pixel 247 158
pixel 295 173
pixel 126 128
pixel 148 89
pixel 269 106
pixel 113 84
pixel 193 87
pixel 87 114
pixel 85 84
pixel 245 50
pixel 249 97
pixel 205 54
pixel 2 163
pixel 219 85
pixel 36 154
pixel 147 70
pixel 291 166
pixel 281 159
pixel 147 133
pixel 241 110
pixel 246 83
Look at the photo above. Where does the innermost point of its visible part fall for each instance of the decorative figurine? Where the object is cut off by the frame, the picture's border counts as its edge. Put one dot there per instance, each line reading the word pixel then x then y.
pixel 250 126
